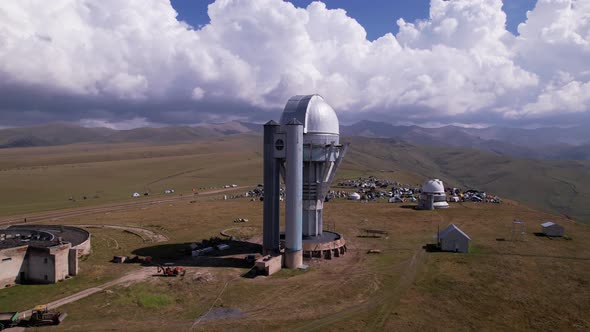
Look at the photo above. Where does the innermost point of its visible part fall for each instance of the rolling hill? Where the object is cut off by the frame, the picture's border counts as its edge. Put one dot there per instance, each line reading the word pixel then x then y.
pixel 542 143
pixel 60 134
pixel 554 185
pixel 44 177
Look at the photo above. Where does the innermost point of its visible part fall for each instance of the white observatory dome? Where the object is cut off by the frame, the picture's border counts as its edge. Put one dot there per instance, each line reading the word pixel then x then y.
pixel 434 186
pixel 316 115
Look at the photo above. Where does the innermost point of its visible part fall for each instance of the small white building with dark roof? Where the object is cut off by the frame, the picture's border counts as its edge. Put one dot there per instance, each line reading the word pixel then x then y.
pixel 549 228
pixel 453 239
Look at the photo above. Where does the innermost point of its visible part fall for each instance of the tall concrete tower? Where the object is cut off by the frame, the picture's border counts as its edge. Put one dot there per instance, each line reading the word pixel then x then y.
pixel 305 148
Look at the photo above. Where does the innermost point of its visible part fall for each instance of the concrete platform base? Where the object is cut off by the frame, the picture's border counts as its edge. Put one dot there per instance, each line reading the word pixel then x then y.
pixel 269 265
pixel 328 245
pixel 293 259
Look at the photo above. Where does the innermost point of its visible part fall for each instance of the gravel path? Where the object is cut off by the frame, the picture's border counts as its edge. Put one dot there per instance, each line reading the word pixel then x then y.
pixel 132 277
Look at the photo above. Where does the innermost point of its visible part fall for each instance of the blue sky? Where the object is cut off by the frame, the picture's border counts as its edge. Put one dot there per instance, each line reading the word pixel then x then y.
pixel 378 17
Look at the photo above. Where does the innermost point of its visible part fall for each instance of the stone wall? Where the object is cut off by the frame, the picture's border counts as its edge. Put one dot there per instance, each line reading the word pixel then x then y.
pixel 48 265
pixel 40 266
pixel 12 263
pixel 83 248
pixel 61 255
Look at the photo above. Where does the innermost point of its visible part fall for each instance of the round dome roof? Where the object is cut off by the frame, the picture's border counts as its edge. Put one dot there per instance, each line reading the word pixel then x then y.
pixel 317 116
pixel 433 186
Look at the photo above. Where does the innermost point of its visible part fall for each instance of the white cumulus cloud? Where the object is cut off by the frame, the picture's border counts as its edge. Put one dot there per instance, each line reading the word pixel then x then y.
pixel 126 60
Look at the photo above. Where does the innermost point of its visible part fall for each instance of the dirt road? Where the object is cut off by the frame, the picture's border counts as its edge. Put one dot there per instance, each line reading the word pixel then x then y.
pixel 37 217
pixel 132 277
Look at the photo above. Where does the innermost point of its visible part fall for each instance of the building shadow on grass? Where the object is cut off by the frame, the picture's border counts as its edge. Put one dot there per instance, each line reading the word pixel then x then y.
pixel 431 247
pixel 179 254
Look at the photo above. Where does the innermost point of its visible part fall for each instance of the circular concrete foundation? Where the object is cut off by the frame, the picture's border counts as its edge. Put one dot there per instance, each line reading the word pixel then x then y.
pixel 328 245
pixel 78 237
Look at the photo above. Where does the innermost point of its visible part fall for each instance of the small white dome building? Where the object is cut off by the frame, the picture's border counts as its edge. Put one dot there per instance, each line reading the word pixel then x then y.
pixel 434 186
pixel 433 196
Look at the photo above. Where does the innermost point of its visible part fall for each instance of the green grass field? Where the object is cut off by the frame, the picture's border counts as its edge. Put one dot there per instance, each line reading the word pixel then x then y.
pixel 43 179
pixel 538 284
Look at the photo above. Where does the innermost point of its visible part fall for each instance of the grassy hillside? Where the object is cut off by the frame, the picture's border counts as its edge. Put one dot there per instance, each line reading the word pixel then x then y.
pixel 536 285
pixel 43 178
pixel 539 284
pixel 56 134
pixel 558 186
pixel 40 179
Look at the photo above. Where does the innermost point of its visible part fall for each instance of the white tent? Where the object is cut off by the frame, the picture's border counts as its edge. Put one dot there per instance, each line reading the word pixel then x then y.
pixel 354 197
pixel 550 228
pixel 136 194
pixel 453 239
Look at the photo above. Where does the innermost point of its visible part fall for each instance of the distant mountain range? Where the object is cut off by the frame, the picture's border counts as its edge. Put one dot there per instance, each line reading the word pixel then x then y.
pixel 548 136
pixel 61 134
pixel 543 143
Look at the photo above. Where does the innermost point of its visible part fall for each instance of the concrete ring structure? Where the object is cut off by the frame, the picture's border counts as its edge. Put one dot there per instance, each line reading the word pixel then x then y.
pixel 328 245
pixel 41 253
pixel 78 237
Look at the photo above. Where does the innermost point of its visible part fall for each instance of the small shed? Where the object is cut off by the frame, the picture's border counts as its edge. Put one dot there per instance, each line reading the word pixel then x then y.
pixel 549 228
pixel 453 239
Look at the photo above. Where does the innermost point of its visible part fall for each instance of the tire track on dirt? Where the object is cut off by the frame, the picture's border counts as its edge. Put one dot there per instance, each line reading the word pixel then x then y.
pixel 386 301
pixel 173 175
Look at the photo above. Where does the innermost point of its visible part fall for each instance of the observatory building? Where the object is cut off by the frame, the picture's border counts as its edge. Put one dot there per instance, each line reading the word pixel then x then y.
pixel 433 196
pixel 304 149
